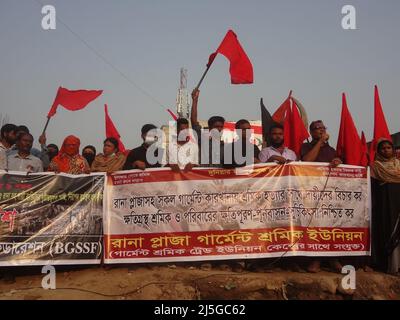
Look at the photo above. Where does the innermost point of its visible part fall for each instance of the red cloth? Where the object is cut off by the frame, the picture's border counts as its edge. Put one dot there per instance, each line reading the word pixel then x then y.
pixel 380 126
pixel 231 127
pixel 111 130
pixel 73 99
pixel 295 132
pixel 241 69
pixel 68 159
pixel 364 150
pixel 279 115
pixel 349 146
pixel 70 146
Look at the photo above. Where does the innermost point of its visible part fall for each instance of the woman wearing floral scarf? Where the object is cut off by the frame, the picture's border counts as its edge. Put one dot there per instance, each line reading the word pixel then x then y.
pixel 68 159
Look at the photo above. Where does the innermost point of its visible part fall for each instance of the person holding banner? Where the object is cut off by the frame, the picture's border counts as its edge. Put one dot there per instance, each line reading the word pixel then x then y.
pixel 89 153
pixel 386 208
pixel 319 150
pixel 242 151
pixel 23 160
pixel 52 150
pixel 7 139
pixel 68 159
pixel 8 136
pixel 111 159
pixel 183 154
pixel 277 152
pixel 210 145
pixel 41 154
pixel 138 157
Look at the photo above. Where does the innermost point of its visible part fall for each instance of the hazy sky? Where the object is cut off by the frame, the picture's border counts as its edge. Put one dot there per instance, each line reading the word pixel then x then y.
pixel 298 45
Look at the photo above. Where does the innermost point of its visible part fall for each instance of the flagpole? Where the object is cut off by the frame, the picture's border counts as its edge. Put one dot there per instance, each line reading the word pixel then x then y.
pixel 203 76
pixel 45 127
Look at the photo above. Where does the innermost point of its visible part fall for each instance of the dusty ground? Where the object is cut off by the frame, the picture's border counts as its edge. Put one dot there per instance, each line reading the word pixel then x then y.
pixel 195 281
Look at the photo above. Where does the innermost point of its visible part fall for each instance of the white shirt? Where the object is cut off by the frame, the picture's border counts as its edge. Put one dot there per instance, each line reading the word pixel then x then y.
pixel 28 164
pixel 183 154
pixel 268 152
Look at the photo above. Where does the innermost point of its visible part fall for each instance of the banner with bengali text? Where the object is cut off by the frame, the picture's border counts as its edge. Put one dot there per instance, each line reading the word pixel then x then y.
pixel 297 209
pixel 51 219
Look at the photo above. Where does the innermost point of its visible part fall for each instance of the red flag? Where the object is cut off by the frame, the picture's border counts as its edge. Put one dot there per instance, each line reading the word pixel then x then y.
pixel 279 115
pixel 364 150
pixel 295 132
pixel 380 126
pixel 231 127
pixel 173 115
pixel 349 147
pixel 73 99
pixel 111 130
pixel 241 69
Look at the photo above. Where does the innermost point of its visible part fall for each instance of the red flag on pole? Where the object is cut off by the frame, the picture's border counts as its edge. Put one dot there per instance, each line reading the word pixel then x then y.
pixel 111 130
pixel 380 126
pixel 349 147
pixel 241 69
pixel 279 115
pixel 364 150
pixel 295 132
pixel 73 100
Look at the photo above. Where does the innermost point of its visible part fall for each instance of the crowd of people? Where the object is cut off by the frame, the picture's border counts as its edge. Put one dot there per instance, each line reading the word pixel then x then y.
pixel 197 149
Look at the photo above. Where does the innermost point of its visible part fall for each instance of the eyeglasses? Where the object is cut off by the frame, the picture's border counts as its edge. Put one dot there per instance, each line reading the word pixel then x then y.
pixel 320 127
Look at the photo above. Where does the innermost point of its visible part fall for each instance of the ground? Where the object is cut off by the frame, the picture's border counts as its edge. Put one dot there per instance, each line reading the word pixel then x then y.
pixel 195 281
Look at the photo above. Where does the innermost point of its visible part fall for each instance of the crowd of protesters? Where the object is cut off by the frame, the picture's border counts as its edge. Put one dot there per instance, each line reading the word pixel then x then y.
pixel 197 149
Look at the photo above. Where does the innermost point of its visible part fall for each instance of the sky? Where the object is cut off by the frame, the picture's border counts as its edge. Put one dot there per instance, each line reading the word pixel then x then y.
pixel 138 48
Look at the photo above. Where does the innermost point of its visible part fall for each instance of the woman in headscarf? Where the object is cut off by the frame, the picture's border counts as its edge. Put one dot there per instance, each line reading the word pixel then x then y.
pixel 68 159
pixel 89 153
pixel 386 208
pixel 111 159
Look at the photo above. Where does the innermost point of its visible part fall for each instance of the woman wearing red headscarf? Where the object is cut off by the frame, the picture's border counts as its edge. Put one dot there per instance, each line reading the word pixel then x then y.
pixel 68 159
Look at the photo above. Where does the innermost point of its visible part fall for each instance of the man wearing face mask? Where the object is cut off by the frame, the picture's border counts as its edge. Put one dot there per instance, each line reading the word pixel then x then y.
pixel 277 152
pixel 137 158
